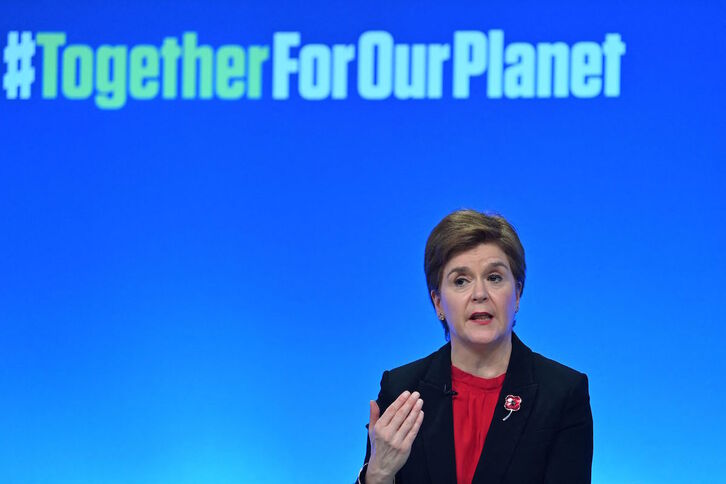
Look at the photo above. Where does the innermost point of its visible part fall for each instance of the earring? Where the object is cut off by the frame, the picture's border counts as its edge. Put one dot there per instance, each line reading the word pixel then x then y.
pixel 442 317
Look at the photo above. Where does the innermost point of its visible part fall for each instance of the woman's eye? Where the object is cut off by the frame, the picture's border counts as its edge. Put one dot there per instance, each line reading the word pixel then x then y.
pixel 459 281
pixel 494 278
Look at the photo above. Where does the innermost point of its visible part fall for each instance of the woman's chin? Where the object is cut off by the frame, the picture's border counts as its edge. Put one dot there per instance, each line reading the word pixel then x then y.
pixel 483 335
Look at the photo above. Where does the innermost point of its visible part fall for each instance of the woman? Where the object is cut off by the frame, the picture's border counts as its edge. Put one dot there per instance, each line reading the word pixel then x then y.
pixel 494 410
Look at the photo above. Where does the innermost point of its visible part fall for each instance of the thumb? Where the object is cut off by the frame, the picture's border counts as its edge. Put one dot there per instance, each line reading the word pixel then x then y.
pixel 375 414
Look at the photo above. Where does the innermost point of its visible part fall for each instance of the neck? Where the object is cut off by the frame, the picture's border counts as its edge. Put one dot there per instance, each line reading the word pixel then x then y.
pixel 485 361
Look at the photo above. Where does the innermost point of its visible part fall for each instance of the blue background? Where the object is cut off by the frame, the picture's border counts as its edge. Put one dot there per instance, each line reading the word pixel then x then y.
pixel 208 291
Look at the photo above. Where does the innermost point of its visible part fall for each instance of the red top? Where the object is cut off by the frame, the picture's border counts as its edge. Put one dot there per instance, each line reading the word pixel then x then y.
pixel 474 407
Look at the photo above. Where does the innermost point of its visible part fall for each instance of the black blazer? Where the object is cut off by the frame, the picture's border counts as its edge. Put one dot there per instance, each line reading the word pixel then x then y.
pixel 549 439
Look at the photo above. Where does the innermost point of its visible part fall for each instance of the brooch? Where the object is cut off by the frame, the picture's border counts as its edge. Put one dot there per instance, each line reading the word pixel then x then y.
pixel 511 403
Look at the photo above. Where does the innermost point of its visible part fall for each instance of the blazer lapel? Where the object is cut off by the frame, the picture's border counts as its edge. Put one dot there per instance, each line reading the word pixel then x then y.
pixel 438 424
pixel 503 436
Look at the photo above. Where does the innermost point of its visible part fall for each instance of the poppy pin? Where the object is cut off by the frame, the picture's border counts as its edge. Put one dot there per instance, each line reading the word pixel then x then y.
pixel 512 403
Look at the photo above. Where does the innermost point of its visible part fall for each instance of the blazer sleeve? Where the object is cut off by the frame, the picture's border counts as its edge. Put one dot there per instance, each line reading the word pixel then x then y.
pixel 570 456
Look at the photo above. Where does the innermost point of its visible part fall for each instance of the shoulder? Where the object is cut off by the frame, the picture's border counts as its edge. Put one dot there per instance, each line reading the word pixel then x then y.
pixel 548 370
pixel 539 368
pixel 407 377
pixel 563 399
pixel 412 372
pixel 560 385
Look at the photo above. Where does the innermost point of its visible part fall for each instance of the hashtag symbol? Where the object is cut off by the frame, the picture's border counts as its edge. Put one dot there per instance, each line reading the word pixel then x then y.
pixel 20 73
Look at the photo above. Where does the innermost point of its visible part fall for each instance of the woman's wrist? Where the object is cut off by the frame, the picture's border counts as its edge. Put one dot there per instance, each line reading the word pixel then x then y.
pixel 371 475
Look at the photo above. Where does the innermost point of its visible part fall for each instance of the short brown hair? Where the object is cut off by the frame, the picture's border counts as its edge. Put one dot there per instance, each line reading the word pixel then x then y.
pixel 463 230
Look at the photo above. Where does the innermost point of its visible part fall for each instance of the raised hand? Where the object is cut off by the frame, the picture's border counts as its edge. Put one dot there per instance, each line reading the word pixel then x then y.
pixel 392 435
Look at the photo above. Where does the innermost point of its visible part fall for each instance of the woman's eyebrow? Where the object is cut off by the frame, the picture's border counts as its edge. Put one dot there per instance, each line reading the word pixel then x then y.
pixel 461 269
pixel 466 270
pixel 497 263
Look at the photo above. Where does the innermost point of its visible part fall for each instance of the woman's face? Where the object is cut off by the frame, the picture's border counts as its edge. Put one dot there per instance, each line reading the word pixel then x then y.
pixel 478 296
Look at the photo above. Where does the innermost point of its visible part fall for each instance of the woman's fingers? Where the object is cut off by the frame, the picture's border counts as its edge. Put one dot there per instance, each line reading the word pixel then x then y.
pixel 398 419
pixel 393 408
pixel 403 411
pixel 375 414
pixel 409 422
pixel 392 434
pixel 408 440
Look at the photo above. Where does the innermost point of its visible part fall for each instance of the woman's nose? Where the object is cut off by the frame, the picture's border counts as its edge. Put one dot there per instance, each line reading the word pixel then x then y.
pixel 480 291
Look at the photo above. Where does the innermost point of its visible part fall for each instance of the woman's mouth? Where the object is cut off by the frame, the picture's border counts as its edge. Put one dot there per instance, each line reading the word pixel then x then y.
pixel 481 318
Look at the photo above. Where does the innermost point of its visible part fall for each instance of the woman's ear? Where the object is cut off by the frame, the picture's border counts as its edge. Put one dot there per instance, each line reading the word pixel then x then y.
pixel 519 292
pixel 436 299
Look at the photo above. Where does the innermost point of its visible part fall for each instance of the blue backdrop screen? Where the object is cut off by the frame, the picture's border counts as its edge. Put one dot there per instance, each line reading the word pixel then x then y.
pixel 212 222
